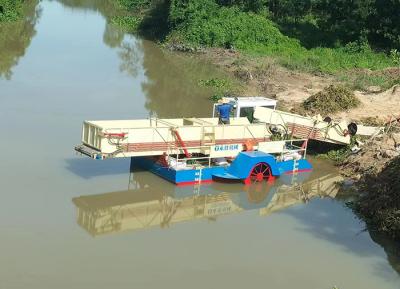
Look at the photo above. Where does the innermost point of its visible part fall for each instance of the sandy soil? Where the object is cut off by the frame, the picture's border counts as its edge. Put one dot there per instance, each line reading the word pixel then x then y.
pixel 382 105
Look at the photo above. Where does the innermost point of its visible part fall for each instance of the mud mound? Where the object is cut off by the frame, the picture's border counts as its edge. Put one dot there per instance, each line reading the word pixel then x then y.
pixel 330 100
pixel 373 157
pixel 380 205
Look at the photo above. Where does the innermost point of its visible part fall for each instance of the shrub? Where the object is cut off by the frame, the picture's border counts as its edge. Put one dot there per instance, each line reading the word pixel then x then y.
pixel 229 27
pixel 128 23
pixel 10 10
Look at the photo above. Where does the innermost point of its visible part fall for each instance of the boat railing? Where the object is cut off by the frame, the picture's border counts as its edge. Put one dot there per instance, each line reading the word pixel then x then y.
pixel 185 159
pixel 295 149
pixel 290 148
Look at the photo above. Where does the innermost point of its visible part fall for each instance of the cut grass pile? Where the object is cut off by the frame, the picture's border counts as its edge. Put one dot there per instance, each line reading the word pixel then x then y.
pixel 333 98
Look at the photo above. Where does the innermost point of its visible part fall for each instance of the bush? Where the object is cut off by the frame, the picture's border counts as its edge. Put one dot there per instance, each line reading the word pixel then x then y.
pixel 10 10
pixel 209 25
pixel 134 4
pixel 330 100
pixel 127 23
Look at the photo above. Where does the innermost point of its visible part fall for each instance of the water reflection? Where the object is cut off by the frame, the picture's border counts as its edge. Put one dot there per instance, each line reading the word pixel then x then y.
pixel 104 7
pixel 391 247
pixel 15 37
pixel 171 85
pixel 151 204
pixel 172 88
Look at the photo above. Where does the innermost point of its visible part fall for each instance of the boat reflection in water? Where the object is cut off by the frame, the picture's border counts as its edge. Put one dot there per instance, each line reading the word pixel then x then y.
pixel 149 206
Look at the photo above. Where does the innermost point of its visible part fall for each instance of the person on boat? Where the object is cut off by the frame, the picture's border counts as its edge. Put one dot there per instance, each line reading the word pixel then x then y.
pixel 224 111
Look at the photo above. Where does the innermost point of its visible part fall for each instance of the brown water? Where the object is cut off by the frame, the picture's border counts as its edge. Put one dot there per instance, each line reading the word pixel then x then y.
pixel 70 222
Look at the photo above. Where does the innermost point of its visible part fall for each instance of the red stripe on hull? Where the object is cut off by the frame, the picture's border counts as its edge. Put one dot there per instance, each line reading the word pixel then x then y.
pixel 191 183
pixel 298 171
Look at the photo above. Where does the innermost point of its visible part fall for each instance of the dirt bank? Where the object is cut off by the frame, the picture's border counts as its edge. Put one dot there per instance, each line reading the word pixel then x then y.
pixel 374 156
pixel 376 169
pixel 264 76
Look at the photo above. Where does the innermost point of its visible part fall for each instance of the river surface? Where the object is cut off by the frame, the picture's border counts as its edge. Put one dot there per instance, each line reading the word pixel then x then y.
pixel 70 222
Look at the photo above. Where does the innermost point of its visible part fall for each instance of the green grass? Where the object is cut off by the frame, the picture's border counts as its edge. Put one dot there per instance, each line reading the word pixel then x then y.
pixel 220 87
pixel 129 14
pixel 128 23
pixel 362 80
pixel 322 60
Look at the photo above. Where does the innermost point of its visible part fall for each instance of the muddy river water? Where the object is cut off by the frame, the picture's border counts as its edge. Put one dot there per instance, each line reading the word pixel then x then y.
pixel 70 222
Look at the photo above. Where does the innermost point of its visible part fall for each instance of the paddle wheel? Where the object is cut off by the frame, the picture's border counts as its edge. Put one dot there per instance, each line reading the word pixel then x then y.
pixel 260 172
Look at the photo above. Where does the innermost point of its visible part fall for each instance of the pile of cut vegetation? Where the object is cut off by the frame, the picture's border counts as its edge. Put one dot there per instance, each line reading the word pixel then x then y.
pixel 380 203
pixel 331 99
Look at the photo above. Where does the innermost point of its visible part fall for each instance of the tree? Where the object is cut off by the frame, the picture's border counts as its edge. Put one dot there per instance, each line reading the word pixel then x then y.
pixel 295 9
pixel 246 5
pixel 386 24
pixel 348 20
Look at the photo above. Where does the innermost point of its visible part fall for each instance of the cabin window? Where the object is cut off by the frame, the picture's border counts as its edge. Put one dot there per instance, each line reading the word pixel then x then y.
pixel 247 112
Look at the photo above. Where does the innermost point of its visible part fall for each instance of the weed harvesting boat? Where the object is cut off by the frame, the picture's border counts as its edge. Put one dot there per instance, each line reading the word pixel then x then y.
pixel 195 150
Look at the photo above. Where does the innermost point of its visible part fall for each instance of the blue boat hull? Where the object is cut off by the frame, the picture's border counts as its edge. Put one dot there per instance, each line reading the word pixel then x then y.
pixel 178 177
pixel 239 170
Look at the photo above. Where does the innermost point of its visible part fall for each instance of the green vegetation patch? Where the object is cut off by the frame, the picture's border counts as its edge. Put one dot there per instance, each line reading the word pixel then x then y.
pixel 331 99
pixel 129 14
pixel 220 87
pixel 10 10
pixel 365 79
pixel 205 23
pixel 251 26
pixel 127 23
pixel 134 4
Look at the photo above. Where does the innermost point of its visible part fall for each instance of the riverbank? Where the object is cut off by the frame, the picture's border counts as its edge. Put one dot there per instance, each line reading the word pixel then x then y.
pixel 77 67
pixel 256 53
pixel 263 75
pixel 375 170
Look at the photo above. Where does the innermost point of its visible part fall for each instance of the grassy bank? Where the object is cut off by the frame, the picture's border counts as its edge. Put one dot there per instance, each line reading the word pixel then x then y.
pixel 206 23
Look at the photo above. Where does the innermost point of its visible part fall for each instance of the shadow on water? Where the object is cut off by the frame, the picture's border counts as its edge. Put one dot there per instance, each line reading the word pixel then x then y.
pixel 392 250
pixel 329 221
pixel 89 168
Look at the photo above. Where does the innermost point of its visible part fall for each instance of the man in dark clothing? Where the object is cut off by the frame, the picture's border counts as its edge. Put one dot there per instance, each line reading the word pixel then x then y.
pixel 224 111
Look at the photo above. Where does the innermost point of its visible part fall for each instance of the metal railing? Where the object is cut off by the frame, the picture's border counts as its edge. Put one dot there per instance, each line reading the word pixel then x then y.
pixel 302 151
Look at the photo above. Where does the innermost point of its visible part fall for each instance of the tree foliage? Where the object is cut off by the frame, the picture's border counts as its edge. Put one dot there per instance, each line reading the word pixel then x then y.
pixel 10 10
